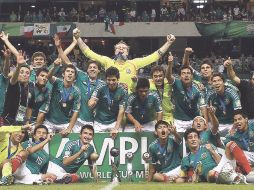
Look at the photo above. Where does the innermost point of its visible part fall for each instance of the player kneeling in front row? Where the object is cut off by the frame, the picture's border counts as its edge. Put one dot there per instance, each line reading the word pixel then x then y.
pixel 165 152
pixel 33 170
pixel 74 154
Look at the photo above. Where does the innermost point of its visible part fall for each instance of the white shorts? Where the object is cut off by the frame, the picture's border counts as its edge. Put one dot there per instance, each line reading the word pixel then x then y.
pixel 55 127
pixel 23 175
pixel 224 128
pixel 181 125
pixel 174 173
pixel 79 124
pixel 57 170
pixel 225 163
pixel 150 127
pixel 250 157
pixel 99 127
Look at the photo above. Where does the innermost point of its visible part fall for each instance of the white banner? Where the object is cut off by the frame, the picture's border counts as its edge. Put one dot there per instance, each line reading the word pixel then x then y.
pixel 41 29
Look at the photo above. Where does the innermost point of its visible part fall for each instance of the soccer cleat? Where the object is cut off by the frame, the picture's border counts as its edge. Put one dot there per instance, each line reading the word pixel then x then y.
pixel 250 177
pixel 7 180
pixel 67 179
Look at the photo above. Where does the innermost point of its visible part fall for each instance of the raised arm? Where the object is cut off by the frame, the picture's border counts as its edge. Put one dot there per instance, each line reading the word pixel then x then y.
pixel 20 61
pixel 170 40
pixel 69 160
pixel 61 53
pixel 6 66
pixel 186 57
pixel 39 146
pixel 56 64
pixel 231 72
pixel 169 75
pixel 214 120
pixel 80 42
pixel 5 39
pixel 70 47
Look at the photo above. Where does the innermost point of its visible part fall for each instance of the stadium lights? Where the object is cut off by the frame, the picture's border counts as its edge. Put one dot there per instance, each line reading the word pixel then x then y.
pixel 200 6
pixel 32 6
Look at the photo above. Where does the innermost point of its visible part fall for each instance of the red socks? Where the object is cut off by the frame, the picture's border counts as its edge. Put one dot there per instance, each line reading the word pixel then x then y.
pixel 240 157
pixel 74 178
pixel 16 163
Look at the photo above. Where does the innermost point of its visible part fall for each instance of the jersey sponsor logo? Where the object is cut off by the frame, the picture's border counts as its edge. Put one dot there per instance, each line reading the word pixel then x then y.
pixel 128 71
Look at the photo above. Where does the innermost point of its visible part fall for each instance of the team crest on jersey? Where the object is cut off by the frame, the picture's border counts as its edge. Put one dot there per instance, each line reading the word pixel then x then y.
pixel 67 153
pixel 204 155
pixel 128 71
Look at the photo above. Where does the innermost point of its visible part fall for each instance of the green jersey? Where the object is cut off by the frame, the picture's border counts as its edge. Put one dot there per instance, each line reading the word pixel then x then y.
pixel 3 87
pixel 108 103
pixel 187 101
pixel 71 148
pixel 197 77
pixel 245 140
pixel 64 102
pixel 42 101
pixel 165 158
pixel 225 104
pixel 207 137
pixel 144 112
pixel 201 160
pixel 36 162
pixel 86 87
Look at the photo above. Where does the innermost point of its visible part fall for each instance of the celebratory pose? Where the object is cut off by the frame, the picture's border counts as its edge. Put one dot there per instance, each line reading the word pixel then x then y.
pixel 165 152
pixel 127 68
pixel 73 156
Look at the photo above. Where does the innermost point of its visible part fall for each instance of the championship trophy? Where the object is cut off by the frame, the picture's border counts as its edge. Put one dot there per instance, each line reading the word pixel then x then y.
pixel 115 174
pixel 147 159
pixel 92 165
pixel 129 156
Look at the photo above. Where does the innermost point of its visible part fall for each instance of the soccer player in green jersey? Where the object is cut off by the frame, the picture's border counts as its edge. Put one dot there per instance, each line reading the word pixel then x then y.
pixel 165 152
pixel 188 100
pixel 35 167
pixel 4 81
pixel 73 156
pixel 109 100
pixel 127 68
pixel 143 108
pixel 240 140
pixel 226 100
pixel 65 101
pixel 199 163
pixel 42 98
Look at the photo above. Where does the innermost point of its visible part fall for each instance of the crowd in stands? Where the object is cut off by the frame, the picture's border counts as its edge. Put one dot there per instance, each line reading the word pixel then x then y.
pixel 171 12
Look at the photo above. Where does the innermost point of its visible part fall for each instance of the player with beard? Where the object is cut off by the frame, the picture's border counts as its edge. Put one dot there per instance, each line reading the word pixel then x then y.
pixel 65 101
pixel 188 100
pixel 225 100
pixel 246 89
pixel 127 68
pixel 160 84
pixel 35 167
pixel 73 156
pixel 143 108
pixel 165 152
pixel 109 100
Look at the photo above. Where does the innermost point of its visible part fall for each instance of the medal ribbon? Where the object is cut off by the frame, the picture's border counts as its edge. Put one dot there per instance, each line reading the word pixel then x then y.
pixel 66 93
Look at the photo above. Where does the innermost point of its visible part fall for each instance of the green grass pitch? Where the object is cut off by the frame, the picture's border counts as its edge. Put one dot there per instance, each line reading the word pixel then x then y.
pixel 130 186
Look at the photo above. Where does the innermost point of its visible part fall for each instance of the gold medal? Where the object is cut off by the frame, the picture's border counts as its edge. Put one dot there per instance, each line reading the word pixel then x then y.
pixel 64 105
